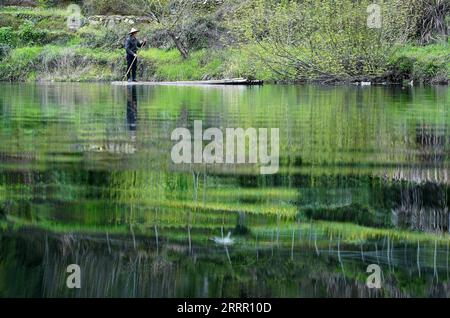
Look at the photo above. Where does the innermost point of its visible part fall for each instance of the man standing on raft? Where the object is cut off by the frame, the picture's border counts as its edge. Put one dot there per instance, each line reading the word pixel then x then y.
pixel 131 47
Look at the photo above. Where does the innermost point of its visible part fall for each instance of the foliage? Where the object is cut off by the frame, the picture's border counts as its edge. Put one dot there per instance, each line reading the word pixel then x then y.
pixel 19 63
pixel 432 22
pixel 105 38
pixel 46 3
pixel 183 22
pixel 299 42
pixel 354 213
pixel 28 35
pixel 430 63
pixel 26 3
pixel 4 50
pixel 6 41
pixel 7 36
pixel 93 7
pixel 82 63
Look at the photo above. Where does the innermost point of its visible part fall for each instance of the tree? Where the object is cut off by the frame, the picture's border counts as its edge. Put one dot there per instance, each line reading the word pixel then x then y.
pixel 297 41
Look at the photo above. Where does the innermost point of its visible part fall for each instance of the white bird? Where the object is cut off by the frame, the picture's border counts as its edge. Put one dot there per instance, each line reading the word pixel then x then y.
pixel 227 240
pixel 366 83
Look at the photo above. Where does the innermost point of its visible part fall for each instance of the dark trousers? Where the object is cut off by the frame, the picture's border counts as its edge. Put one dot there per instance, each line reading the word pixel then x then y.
pixel 132 72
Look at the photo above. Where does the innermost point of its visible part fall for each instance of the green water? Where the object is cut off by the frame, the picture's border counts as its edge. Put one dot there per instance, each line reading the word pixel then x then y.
pixel 86 177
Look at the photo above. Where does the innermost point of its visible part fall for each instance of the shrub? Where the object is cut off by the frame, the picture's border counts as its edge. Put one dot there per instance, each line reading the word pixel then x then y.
pixel 7 41
pixel 299 42
pixel 7 36
pixel 54 3
pixel 29 35
pixel 196 34
pixel 19 63
pixel 92 7
pixel 25 3
pixel 46 3
pixel 430 63
pixel 9 20
pixel 160 39
pixel 202 33
pixel 102 37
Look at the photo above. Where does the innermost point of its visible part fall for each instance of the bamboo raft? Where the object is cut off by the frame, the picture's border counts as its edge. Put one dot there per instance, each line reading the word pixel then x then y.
pixel 231 81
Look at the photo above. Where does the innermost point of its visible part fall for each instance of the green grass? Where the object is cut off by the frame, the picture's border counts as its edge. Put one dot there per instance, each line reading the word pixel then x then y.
pixel 20 63
pixel 41 49
pixel 244 62
pixel 171 66
pixel 161 65
pixel 36 11
pixel 425 63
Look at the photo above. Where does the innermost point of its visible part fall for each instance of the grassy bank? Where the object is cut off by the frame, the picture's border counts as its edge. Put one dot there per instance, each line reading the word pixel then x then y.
pixel 430 64
pixel 35 45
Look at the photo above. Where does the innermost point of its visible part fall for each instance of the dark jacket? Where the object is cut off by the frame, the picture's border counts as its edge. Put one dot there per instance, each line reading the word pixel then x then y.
pixel 131 45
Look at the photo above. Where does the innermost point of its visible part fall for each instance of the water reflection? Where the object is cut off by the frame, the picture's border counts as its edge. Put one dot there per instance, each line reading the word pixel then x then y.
pixel 118 266
pixel 363 179
pixel 132 108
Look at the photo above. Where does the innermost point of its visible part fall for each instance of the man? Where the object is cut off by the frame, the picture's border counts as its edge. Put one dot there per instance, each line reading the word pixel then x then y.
pixel 131 47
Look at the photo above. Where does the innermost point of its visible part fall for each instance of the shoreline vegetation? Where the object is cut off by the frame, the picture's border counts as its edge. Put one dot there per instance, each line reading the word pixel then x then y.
pixel 273 41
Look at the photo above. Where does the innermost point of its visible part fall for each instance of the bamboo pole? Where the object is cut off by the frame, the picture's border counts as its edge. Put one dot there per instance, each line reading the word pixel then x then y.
pixel 434 261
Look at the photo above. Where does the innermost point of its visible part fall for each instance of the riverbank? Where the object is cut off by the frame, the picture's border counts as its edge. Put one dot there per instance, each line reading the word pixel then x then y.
pixel 35 45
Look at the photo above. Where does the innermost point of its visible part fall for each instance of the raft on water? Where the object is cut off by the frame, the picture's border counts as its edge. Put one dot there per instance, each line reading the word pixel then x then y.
pixel 231 81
